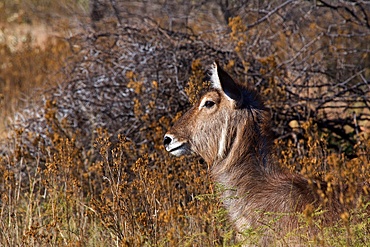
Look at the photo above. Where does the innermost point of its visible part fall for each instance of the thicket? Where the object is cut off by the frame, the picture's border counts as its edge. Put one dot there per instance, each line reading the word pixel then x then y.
pixel 84 162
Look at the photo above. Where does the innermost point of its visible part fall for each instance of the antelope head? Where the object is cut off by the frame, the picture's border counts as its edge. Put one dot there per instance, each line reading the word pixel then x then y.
pixel 217 121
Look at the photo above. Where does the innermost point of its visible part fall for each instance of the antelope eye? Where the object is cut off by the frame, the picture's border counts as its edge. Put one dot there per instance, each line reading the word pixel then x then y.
pixel 208 104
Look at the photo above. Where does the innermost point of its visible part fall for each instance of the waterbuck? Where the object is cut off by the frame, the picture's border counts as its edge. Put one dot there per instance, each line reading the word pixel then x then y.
pixel 229 128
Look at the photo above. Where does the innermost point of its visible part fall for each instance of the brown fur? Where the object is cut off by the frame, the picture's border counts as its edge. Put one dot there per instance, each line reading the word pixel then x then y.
pixel 254 184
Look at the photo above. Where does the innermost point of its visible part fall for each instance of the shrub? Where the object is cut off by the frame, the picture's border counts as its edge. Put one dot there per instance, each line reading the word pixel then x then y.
pixel 84 163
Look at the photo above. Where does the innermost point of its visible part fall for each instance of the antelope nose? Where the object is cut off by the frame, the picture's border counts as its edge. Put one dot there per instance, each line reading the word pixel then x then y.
pixel 167 140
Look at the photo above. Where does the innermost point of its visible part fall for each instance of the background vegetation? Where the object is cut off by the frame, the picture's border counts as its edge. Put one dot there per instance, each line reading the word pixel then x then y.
pixel 88 90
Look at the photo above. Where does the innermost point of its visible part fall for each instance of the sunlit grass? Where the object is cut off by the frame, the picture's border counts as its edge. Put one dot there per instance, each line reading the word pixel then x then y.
pixel 122 193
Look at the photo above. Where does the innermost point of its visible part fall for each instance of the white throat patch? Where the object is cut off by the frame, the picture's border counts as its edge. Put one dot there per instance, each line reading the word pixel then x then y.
pixel 223 140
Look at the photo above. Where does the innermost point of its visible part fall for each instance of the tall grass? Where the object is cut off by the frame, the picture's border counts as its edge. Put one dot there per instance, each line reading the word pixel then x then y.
pixel 131 197
pixel 61 187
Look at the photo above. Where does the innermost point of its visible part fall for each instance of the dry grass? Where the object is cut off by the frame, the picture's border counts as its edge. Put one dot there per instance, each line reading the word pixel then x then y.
pixel 61 187
pixel 135 197
pixel 131 196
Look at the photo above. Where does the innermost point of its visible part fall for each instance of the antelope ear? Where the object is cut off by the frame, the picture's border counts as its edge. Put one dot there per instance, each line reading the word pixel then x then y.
pixel 223 81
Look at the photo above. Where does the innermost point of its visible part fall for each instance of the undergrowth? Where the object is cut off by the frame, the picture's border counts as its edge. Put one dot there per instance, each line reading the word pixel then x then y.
pixel 79 172
pixel 131 197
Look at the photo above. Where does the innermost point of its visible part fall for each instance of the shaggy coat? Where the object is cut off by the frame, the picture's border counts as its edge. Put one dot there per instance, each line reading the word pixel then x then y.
pixel 229 128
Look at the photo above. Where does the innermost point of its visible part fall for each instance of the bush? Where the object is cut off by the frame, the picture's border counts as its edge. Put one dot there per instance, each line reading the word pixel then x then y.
pixel 84 163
